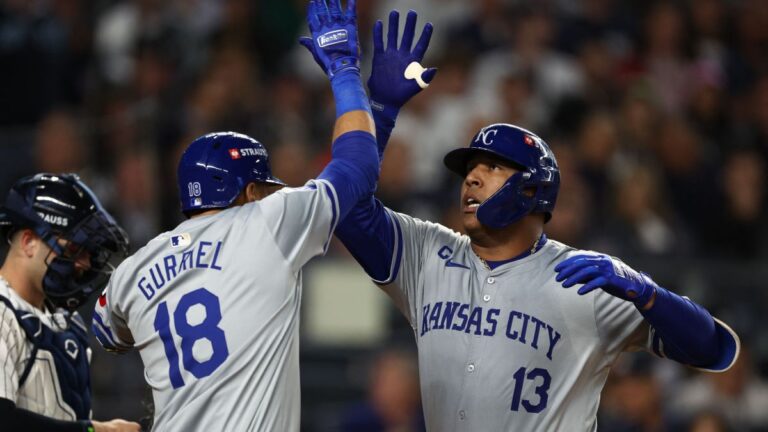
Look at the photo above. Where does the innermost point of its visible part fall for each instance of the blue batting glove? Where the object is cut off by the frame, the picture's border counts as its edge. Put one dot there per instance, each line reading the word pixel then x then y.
pixel 610 274
pixel 397 74
pixel 334 42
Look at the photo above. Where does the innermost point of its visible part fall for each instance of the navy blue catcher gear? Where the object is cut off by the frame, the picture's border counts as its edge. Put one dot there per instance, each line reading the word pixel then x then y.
pixel 532 190
pixel 66 214
pixel 216 167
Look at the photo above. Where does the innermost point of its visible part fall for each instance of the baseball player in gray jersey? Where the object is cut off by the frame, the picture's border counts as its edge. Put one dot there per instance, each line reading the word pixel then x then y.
pixel 213 305
pixel 504 344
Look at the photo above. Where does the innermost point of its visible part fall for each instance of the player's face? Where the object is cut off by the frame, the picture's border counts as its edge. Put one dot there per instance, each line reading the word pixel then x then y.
pixel 486 174
pixel 73 252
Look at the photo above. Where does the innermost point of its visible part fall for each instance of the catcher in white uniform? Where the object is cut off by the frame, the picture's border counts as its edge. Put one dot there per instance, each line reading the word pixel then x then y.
pixel 61 240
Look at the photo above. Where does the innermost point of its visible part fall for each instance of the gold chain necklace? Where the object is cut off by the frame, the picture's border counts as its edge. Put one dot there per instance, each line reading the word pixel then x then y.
pixel 533 249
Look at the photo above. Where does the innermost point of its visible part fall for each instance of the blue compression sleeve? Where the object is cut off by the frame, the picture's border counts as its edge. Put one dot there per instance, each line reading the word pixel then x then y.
pixel 349 94
pixel 689 333
pixel 384 118
pixel 370 236
pixel 354 169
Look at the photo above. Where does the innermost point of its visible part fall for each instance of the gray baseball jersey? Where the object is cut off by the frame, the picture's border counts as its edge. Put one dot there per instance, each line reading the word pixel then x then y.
pixel 507 349
pixel 213 308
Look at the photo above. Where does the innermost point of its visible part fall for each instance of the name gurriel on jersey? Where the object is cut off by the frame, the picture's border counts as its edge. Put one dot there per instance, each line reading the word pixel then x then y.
pixel 202 255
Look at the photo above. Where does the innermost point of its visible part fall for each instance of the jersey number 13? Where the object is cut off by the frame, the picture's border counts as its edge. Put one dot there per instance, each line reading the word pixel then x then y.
pixel 189 333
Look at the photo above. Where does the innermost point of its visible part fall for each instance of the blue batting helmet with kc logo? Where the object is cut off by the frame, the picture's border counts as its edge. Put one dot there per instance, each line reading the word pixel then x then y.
pixel 532 190
pixel 216 167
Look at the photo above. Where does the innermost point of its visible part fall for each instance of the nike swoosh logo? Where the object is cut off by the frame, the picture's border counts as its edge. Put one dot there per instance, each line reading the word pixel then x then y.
pixel 450 263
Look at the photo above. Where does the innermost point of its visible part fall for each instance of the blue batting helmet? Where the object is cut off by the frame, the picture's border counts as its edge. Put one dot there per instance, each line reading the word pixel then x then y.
pixel 216 167
pixel 538 173
pixel 68 217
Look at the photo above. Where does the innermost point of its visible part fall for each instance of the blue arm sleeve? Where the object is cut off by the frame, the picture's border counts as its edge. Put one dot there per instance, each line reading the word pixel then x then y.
pixel 349 94
pixel 689 333
pixel 370 236
pixel 384 117
pixel 353 170
pixel 368 232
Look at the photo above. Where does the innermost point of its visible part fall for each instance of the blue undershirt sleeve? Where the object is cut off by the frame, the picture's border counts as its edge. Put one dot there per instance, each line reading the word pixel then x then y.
pixel 369 234
pixel 367 231
pixel 353 170
pixel 689 334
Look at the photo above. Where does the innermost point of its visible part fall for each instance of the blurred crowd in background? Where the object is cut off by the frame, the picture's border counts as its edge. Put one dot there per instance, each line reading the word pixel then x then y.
pixel 657 112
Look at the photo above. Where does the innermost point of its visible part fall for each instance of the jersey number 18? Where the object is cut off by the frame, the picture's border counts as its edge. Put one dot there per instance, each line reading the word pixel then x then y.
pixel 191 333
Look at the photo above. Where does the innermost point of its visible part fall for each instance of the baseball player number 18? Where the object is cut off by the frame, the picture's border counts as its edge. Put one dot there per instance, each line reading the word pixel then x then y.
pixel 190 333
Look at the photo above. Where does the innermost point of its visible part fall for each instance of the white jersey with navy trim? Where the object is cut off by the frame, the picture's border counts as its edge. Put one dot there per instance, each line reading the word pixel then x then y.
pixel 213 308
pixel 507 349
pixel 41 392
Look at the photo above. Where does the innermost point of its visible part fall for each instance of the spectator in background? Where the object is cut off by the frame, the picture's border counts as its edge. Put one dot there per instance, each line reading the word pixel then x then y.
pixel 641 226
pixel 60 144
pixel 665 57
pixel 572 218
pixel 739 396
pixel 553 75
pixel 599 68
pixel 632 399
pixel 742 231
pixel 485 30
pixel 136 187
pixel 707 422
pixel 688 174
pixel 393 403
pixel 34 53
pixel 597 147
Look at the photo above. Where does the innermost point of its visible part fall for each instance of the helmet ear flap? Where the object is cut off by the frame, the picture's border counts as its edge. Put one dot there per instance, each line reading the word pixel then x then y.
pixel 509 204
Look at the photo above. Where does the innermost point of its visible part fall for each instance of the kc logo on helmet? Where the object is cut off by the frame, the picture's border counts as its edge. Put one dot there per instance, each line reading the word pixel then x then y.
pixel 486 136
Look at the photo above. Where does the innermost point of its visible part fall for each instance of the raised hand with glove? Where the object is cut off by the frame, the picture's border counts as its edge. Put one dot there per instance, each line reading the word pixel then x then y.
pixel 335 47
pixel 690 335
pixel 610 274
pixel 397 74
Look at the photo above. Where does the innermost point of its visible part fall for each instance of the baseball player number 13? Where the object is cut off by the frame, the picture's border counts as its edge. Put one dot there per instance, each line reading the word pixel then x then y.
pixel 190 333
pixel 541 389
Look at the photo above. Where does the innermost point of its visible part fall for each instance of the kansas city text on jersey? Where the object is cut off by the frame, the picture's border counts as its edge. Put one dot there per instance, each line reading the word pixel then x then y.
pixel 521 327
pixel 201 255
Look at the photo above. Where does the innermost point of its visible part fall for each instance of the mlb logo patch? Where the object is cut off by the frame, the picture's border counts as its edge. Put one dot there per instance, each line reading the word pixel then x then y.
pixel 181 240
pixel 234 153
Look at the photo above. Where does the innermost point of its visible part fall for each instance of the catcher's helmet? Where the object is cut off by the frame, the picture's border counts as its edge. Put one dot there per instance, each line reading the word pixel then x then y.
pixel 64 212
pixel 538 172
pixel 216 167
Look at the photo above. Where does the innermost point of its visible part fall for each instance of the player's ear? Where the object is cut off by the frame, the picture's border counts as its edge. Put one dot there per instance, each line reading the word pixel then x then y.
pixel 27 241
pixel 253 192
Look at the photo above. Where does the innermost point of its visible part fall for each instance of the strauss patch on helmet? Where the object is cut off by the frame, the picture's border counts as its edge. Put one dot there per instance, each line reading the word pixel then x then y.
pixel 332 38
pixel 54 220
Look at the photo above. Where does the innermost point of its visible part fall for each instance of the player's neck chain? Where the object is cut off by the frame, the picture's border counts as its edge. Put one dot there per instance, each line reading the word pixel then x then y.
pixel 534 248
